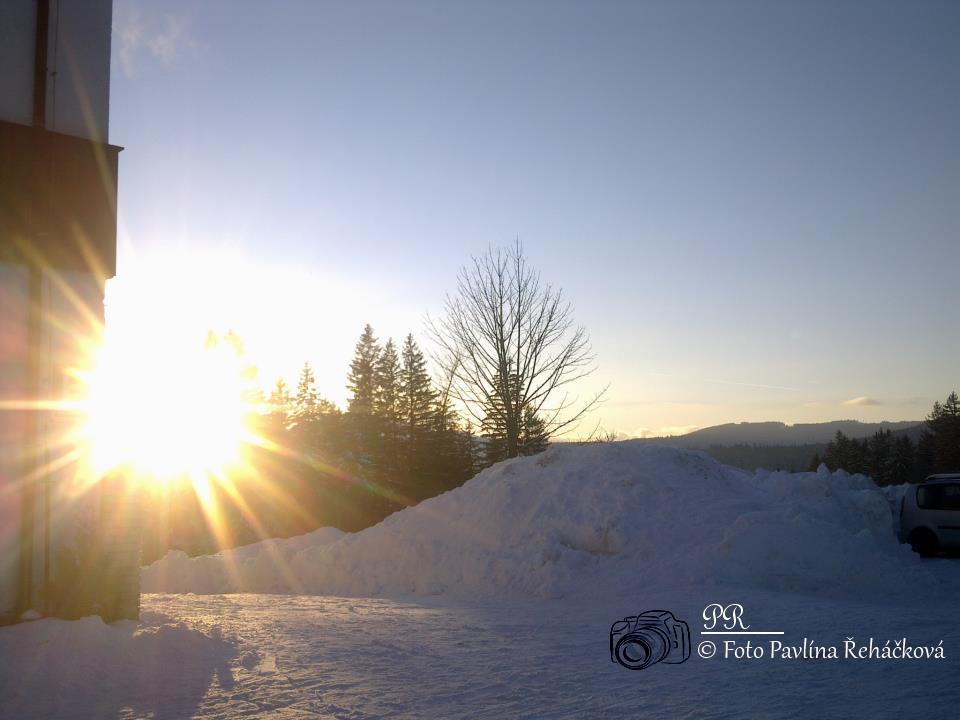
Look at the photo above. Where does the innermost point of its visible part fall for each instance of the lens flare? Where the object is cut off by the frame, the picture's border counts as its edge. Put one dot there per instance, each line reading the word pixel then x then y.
pixel 169 412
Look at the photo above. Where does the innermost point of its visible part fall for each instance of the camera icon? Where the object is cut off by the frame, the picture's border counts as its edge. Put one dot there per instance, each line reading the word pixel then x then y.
pixel 654 636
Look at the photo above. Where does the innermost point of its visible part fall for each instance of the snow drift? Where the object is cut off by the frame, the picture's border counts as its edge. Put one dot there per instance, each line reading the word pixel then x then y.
pixel 260 567
pixel 585 520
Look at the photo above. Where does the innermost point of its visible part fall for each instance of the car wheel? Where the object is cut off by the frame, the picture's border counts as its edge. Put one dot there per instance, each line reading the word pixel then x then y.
pixel 923 542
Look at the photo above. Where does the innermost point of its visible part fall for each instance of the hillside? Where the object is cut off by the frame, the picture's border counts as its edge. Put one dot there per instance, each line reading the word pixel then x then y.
pixel 776 445
pixel 781 434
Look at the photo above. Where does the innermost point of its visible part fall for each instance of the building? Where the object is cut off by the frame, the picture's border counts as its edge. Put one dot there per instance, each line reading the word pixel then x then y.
pixel 66 543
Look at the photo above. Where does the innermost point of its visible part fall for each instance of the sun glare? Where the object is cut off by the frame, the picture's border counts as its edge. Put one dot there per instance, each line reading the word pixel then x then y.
pixel 169 411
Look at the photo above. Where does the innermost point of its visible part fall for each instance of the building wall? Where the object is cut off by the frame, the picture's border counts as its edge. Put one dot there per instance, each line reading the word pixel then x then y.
pixel 51 307
pixel 13 344
pixel 18 20
pixel 78 63
pixel 78 93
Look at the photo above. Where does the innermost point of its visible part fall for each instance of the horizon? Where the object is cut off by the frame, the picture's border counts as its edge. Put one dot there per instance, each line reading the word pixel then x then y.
pixel 674 190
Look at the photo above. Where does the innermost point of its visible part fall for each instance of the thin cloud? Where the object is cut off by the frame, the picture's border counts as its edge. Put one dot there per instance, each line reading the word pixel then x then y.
pixel 140 33
pixel 863 400
pixel 665 431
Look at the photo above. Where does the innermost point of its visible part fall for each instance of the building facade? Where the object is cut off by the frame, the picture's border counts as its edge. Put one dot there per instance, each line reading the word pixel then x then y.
pixel 67 545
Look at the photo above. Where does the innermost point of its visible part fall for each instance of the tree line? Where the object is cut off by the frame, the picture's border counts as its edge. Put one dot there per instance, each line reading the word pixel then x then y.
pixel 894 459
pixel 505 353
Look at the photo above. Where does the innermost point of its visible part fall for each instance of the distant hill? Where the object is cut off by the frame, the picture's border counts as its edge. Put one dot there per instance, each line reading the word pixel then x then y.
pixel 777 446
pixel 778 433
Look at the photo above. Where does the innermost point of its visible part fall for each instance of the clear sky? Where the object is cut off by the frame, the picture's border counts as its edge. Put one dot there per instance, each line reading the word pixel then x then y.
pixel 753 206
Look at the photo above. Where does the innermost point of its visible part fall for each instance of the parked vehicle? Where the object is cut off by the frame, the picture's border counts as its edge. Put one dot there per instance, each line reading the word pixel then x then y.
pixel 930 514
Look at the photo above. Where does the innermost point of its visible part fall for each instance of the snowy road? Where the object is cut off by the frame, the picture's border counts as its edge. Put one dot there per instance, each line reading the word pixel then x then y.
pixel 307 656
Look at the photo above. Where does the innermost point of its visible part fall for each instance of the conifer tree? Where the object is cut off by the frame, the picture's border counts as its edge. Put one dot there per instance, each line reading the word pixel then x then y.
pixel 281 401
pixel 386 401
pixel 815 463
pixel 416 396
pixel 386 414
pixel 879 450
pixel 902 461
pixel 362 380
pixel 943 434
pixel 533 433
pixel 306 404
pixel 418 441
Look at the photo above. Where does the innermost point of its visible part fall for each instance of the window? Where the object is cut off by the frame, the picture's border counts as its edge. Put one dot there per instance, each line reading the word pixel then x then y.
pixel 939 497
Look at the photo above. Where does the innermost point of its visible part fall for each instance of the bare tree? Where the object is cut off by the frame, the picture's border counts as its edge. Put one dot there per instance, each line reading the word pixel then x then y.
pixel 507 346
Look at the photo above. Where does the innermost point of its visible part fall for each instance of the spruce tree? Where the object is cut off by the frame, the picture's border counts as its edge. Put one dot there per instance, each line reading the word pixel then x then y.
pixel 386 415
pixel 306 404
pixel 879 450
pixel 386 400
pixel 362 380
pixel 533 433
pixel 943 430
pixel 902 461
pixel 418 441
pixel 281 402
pixel 416 396
pixel 815 463
pixel 533 437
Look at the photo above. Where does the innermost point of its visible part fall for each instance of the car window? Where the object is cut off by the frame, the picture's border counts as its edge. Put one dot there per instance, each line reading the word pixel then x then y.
pixel 939 497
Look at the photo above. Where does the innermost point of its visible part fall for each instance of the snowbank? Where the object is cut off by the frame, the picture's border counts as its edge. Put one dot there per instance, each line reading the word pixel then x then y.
pixel 593 520
pixel 259 567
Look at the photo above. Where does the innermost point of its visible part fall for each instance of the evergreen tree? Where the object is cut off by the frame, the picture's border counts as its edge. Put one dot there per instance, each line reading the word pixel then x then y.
pixel 943 431
pixel 878 455
pixel 533 438
pixel 386 401
pixel 307 402
pixel 386 414
pixel 533 433
pixel 469 457
pixel 281 401
pixel 362 380
pixel 418 438
pixel 902 461
pixel 494 430
pixel 416 396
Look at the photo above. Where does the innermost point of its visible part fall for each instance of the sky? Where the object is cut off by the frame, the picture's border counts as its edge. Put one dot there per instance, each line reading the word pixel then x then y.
pixel 754 207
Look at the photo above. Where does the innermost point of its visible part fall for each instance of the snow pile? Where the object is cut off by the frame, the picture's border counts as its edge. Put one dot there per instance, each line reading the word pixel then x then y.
pixel 599 519
pixel 260 567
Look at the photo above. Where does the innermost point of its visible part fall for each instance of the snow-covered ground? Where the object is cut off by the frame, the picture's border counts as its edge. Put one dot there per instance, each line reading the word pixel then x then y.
pixel 496 599
pixel 311 656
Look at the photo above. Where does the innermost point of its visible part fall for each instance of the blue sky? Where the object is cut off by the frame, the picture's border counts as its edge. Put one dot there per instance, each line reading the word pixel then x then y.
pixel 753 206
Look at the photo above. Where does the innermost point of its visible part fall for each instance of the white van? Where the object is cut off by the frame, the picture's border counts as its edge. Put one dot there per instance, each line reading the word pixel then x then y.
pixel 930 514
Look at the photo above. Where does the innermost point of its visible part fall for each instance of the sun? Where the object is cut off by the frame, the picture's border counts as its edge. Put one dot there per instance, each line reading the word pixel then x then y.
pixel 167 408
